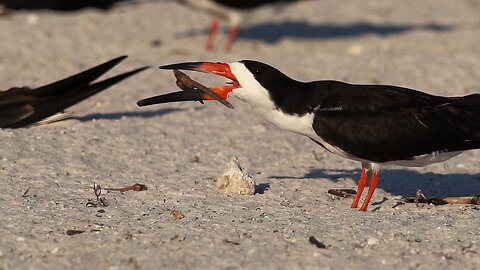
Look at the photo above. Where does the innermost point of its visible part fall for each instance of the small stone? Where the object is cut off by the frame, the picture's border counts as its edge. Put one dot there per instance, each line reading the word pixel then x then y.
pixel 355 50
pixel 372 241
pixel 235 181
pixel 177 238
pixel 176 214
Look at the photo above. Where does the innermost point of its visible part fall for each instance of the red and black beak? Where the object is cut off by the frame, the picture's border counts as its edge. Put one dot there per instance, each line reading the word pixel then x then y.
pixel 219 92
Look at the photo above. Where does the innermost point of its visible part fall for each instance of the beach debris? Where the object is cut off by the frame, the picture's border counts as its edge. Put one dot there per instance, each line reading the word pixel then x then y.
pixel 195 159
pixel 177 238
pixel 176 214
pixel 99 200
pixel 372 241
pixel 226 241
pixel 315 242
pixel 475 200
pixel 136 187
pixel 73 232
pixel 343 192
pixel 102 201
pixel 25 194
pixel 235 181
pixel 187 84
pixel 419 195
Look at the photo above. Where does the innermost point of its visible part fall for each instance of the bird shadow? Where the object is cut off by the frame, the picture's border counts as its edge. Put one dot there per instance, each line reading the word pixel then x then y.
pixel 272 32
pixel 127 114
pixel 405 182
pixel 261 188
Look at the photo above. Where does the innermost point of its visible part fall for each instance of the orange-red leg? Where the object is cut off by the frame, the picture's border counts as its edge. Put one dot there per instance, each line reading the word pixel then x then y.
pixel 361 186
pixel 211 35
pixel 371 189
pixel 231 37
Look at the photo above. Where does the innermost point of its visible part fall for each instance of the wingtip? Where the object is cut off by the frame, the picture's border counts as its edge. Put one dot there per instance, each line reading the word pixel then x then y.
pixel 116 61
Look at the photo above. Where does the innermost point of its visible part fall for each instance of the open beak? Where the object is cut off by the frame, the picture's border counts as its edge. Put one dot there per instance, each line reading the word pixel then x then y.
pixel 191 88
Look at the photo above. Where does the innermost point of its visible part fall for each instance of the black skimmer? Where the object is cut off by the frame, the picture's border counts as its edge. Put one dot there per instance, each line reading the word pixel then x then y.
pixel 230 10
pixel 373 124
pixel 22 106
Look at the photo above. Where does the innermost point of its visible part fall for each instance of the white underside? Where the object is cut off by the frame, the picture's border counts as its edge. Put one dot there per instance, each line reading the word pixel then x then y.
pixel 258 98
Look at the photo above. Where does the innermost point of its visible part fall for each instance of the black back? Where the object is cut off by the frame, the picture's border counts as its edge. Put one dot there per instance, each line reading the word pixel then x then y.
pixel 377 122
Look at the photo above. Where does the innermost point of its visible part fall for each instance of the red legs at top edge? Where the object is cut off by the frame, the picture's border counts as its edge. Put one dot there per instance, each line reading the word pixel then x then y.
pixel 361 185
pixel 371 189
pixel 231 37
pixel 212 34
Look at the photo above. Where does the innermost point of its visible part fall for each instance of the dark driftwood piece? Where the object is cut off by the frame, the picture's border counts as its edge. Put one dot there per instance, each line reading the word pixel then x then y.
pixel 345 193
pixel 136 187
pixel 187 84
pixel 445 200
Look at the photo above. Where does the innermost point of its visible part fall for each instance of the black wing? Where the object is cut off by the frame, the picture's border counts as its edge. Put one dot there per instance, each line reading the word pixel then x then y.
pixel 23 106
pixel 385 123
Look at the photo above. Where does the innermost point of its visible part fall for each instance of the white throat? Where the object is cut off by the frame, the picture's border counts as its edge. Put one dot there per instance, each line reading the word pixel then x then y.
pixel 255 95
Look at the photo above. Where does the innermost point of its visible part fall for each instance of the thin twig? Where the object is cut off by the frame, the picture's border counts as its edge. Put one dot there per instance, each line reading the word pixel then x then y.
pixel 136 187
pixel 342 192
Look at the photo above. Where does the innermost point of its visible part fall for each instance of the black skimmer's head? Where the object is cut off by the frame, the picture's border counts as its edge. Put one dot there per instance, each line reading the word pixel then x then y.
pixel 373 124
pixel 268 91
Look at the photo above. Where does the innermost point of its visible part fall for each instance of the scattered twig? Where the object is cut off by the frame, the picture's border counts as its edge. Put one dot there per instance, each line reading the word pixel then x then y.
pixel 187 84
pixel 317 158
pixel 100 201
pixel 342 192
pixel 419 195
pixel 226 241
pixel 25 194
pixel 97 189
pixel 444 200
pixel 136 187
pixel 315 242
pixel 73 232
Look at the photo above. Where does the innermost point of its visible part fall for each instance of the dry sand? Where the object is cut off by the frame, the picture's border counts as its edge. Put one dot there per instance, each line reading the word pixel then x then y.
pixel 178 150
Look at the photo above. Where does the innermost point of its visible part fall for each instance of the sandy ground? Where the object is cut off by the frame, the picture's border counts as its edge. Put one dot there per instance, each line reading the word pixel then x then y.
pixel 178 150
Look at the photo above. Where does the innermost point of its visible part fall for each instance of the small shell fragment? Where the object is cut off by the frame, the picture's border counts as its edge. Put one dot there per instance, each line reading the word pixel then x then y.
pixel 235 181
pixel 176 214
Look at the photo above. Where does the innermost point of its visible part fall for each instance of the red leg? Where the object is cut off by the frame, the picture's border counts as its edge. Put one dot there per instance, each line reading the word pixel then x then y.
pixel 361 186
pixel 211 35
pixel 371 189
pixel 231 37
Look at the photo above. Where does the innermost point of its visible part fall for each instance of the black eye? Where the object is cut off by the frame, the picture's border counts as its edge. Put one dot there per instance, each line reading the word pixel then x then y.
pixel 257 71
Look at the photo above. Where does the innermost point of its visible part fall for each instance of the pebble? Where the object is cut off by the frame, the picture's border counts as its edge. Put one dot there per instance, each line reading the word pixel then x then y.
pixel 372 241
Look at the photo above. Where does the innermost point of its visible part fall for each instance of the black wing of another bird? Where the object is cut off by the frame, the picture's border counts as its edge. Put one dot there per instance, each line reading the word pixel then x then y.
pixel 385 123
pixel 65 5
pixel 23 106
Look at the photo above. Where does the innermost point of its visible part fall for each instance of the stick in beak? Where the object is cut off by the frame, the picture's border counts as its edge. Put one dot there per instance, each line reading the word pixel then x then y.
pixel 192 91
